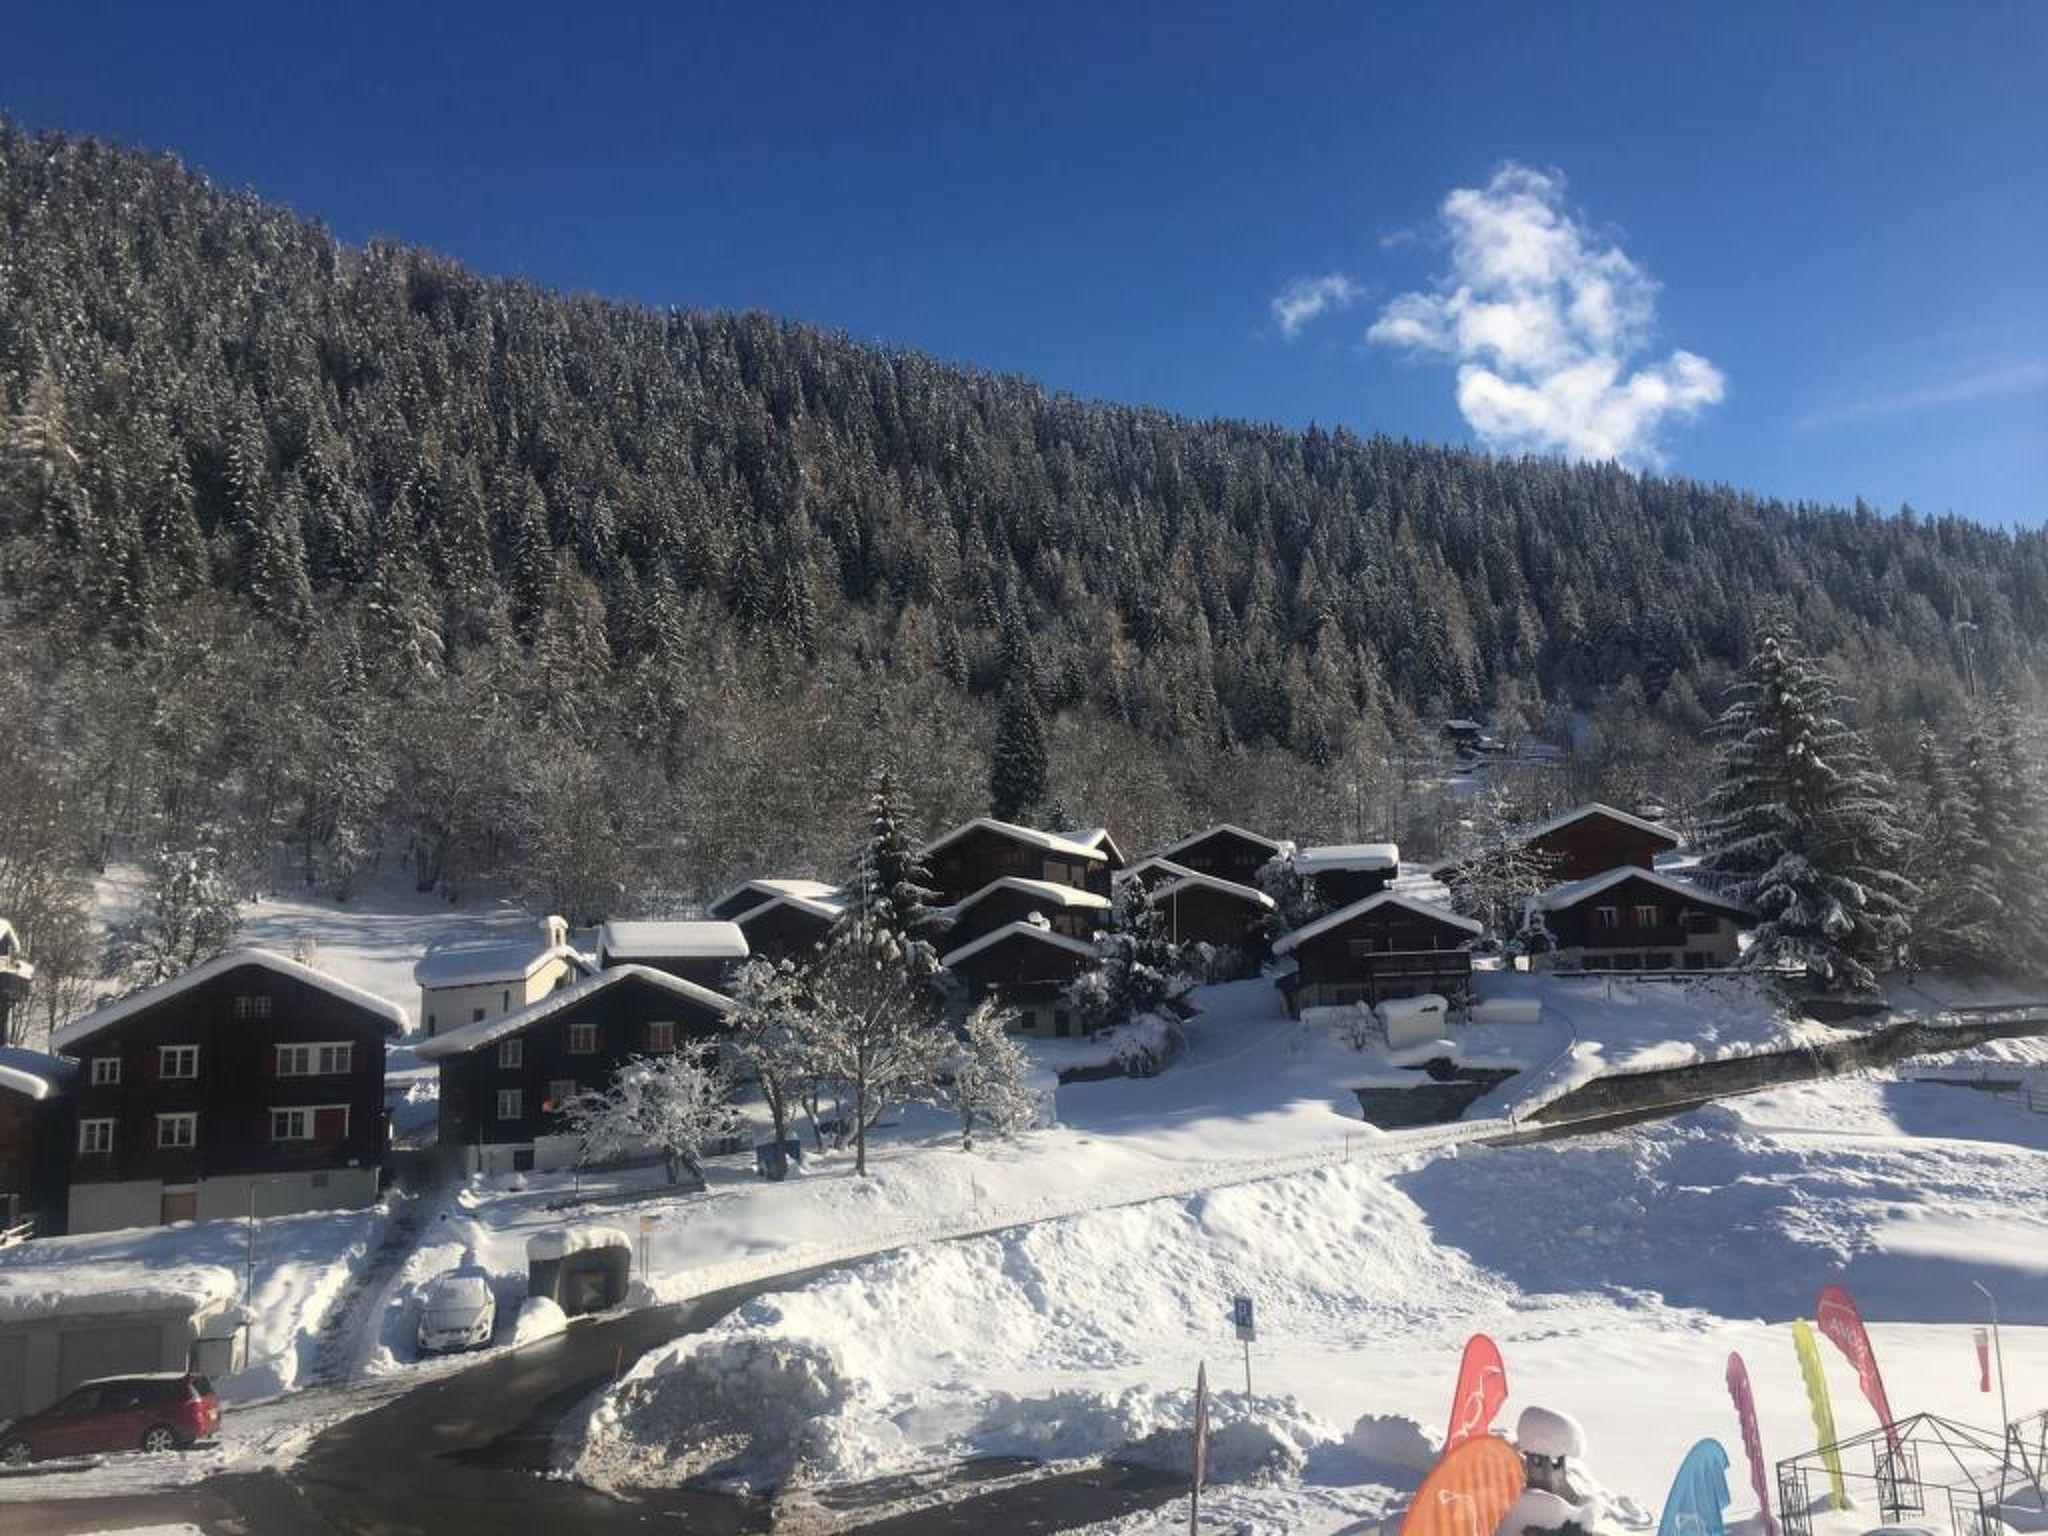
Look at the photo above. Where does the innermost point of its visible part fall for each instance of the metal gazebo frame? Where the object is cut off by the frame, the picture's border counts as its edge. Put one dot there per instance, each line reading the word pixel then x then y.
pixel 1923 1466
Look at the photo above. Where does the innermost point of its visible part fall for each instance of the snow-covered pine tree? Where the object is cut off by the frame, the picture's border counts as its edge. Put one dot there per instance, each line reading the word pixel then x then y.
pixel 1803 825
pixel 768 1037
pixel 1019 774
pixel 992 1076
pixel 1136 964
pixel 1296 902
pixel 889 880
pixel 2002 774
pixel 1497 872
pixel 1955 913
pixel 189 913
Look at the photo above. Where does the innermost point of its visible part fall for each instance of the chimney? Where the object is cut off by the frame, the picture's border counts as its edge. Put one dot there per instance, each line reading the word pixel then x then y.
pixel 557 930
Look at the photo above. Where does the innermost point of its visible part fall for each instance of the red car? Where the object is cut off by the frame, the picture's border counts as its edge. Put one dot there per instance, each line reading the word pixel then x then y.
pixel 117 1413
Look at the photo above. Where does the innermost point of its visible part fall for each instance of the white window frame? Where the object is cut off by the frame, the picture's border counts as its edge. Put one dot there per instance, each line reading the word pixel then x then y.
pixel 252 1005
pixel 106 1071
pixel 579 1031
pixel 1646 914
pixel 1606 917
pixel 561 1090
pixel 166 1054
pixel 309 1122
pixel 321 1058
pixel 661 1034
pixel 189 1119
pixel 89 1136
pixel 511 1052
pixel 516 1098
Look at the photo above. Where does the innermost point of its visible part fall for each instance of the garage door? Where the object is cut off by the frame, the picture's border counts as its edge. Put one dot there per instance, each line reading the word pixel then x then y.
pixel 115 1349
pixel 13 1377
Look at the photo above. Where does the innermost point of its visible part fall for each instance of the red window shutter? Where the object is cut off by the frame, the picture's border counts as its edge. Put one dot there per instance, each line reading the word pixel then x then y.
pixel 330 1124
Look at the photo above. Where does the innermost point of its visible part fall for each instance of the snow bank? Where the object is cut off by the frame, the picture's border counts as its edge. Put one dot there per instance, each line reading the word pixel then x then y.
pixel 559 1242
pixel 540 1317
pixel 36 1292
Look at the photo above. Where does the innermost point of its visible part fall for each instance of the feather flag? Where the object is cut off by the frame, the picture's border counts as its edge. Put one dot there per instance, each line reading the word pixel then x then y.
pixel 1467 1492
pixel 1482 1388
pixel 1837 1316
pixel 1752 1440
pixel 1823 1410
pixel 1698 1501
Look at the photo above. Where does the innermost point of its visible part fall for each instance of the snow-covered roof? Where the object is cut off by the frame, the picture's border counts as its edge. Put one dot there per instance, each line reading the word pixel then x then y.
pixel 830 907
pixel 695 939
pixel 472 965
pixel 34 1074
pixel 1049 891
pixel 1206 833
pixel 1373 903
pixel 1334 856
pixel 1023 928
pixel 1187 878
pixel 470 1037
pixel 1463 725
pixel 121 1008
pixel 12 961
pixel 769 887
pixel 1051 842
pixel 1097 838
pixel 107 1286
pixel 1572 892
pixel 1596 808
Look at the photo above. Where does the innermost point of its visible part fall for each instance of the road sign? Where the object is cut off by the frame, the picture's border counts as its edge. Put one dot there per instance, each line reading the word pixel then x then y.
pixel 1241 1314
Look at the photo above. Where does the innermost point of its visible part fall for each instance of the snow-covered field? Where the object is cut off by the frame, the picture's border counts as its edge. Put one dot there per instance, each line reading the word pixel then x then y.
pixel 1616 1271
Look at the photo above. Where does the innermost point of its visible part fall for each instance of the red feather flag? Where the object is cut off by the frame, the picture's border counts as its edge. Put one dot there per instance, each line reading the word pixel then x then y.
pixel 1836 1315
pixel 1482 1388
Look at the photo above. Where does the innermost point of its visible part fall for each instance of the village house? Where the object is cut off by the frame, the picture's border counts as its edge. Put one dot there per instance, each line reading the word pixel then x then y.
pixel 751 895
pixel 791 926
pixel 464 983
pixel 251 1082
pixel 505 1081
pixel 1349 872
pixel 1590 840
pixel 1636 920
pixel 708 953
pixel 979 852
pixel 1226 851
pixel 35 1138
pixel 1384 946
pixel 1027 966
pixel 1201 908
pixel 1065 909
pixel 16 976
pixel 1098 839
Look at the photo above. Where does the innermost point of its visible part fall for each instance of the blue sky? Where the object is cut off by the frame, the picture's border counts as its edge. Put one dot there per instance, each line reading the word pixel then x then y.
pixel 1801 249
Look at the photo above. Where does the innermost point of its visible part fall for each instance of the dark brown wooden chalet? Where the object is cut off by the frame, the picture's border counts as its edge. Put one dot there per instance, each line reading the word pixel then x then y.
pixel 1637 920
pixel 505 1080
pixel 1202 908
pixel 248 1077
pixel 1226 851
pixel 749 895
pixel 1387 945
pixel 35 1138
pixel 1349 872
pixel 1027 967
pixel 1066 909
pixel 707 953
pixel 1593 839
pixel 788 927
pixel 985 850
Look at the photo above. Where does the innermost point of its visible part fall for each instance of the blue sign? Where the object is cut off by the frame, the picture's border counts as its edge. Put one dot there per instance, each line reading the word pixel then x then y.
pixel 1241 1314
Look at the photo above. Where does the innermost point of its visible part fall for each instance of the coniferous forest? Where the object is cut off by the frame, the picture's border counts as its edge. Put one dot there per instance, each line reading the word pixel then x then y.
pixel 337 561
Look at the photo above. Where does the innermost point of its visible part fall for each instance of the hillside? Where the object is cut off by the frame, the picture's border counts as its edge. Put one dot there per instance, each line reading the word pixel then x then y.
pixel 344 555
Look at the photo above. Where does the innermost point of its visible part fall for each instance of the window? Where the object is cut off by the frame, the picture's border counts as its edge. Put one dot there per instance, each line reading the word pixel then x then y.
pixel 512 1053
pixel 95 1136
pixel 177 1130
pixel 509 1104
pixel 291 1125
pixel 1646 915
pixel 320 1059
pixel 560 1092
pixel 582 1039
pixel 504 1002
pixel 1606 917
pixel 253 1005
pixel 661 1036
pixel 177 1061
pixel 310 1122
pixel 106 1070
pixel 476 1015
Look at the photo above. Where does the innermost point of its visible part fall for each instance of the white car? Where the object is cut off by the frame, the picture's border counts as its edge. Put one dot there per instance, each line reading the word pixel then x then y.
pixel 459 1312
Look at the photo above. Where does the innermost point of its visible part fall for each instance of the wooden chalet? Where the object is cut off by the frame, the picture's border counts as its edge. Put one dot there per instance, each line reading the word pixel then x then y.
pixel 249 1078
pixel 1099 839
pixel 1590 840
pixel 749 896
pixel 1066 909
pixel 707 953
pixel 1637 920
pixel 1028 967
pixel 1349 872
pixel 1227 851
pixel 504 1081
pixel 36 1105
pixel 790 926
pixel 979 852
pixel 1387 945
pixel 1201 908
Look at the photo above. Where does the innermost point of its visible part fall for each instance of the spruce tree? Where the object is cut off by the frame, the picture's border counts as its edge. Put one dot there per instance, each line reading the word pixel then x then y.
pixel 1956 911
pixel 1019 774
pixel 1803 826
pixel 889 879
pixel 2002 774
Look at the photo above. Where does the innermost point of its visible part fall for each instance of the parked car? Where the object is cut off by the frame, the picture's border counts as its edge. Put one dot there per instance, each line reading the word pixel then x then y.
pixel 117 1413
pixel 459 1312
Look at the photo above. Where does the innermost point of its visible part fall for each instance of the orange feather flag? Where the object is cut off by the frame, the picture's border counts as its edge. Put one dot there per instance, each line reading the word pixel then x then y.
pixel 1468 1492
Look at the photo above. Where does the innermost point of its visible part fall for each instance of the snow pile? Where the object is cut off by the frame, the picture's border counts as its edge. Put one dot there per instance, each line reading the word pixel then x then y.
pixel 36 1291
pixel 559 1242
pixel 540 1317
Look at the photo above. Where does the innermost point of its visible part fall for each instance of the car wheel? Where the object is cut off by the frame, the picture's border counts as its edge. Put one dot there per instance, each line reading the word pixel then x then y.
pixel 159 1437
pixel 16 1453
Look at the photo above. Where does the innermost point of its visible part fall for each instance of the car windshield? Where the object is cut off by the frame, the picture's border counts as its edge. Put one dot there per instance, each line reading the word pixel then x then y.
pixel 464 1295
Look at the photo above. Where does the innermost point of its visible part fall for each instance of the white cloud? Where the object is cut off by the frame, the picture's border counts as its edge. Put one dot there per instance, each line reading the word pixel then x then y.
pixel 1982 384
pixel 1546 320
pixel 1308 297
